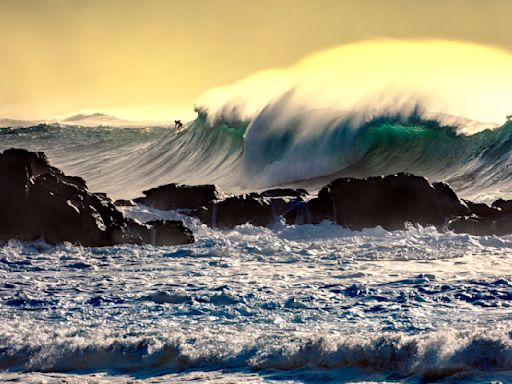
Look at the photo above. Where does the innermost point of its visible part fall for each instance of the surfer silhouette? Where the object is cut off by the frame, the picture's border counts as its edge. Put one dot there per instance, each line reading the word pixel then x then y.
pixel 509 118
pixel 178 124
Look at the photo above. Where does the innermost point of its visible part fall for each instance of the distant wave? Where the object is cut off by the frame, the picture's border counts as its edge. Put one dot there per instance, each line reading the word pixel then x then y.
pixel 123 162
pixel 82 116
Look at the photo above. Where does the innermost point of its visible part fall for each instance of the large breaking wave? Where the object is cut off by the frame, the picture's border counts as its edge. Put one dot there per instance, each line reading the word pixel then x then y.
pixel 271 150
pixel 364 109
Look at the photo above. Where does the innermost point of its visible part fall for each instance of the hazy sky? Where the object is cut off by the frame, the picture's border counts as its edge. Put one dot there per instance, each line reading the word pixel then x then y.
pixel 59 56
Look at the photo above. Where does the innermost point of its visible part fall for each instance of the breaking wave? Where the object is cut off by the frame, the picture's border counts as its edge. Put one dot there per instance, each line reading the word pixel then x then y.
pixel 306 148
pixel 368 108
pixel 428 356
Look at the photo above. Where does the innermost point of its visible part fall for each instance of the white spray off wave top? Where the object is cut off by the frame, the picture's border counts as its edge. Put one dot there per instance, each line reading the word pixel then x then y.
pixel 460 79
pixel 295 111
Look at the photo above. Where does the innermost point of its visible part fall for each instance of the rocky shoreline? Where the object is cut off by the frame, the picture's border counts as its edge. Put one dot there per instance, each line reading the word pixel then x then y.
pixel 392 202
pixel 38 201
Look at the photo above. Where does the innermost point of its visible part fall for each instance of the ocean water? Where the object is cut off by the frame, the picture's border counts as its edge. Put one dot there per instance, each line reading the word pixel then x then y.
pixel 273 150
pixel 291 304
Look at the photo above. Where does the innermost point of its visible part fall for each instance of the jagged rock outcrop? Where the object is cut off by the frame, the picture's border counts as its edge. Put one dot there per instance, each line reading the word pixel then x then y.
pixel 485 220
pixel 237 210
pixel 38 201
pixel 253 208
pixel 218 209
pixel 504 205
pixel 390 201
pixel 180 196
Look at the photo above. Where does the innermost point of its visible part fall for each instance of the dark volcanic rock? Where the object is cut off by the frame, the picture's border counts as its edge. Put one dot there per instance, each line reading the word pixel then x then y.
pixel 485 220
pixel 124 203
pixel 285 192
pixel 179 196
pixel 156 232
pixel 66 212
pixel 37 201
pixel 473 226
pixel 449 202
pixel 313 211
pixel 237 210
pixel 483 211
pixel 504 205
pixel 250 208
pixel 389 201
pixel 170 232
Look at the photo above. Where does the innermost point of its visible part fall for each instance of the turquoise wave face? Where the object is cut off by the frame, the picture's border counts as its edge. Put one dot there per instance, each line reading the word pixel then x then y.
pixel 384 145
pixel 469 162
pixel 422 147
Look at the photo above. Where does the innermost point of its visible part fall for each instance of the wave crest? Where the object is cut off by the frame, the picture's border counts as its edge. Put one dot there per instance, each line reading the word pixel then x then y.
pixel 281 146
pixel 429 356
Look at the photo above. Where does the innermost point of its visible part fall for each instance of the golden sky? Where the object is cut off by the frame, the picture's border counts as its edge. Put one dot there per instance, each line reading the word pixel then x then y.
pixel 59 56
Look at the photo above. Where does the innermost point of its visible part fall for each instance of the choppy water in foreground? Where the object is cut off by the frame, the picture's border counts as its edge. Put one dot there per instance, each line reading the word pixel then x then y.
pixel 305 304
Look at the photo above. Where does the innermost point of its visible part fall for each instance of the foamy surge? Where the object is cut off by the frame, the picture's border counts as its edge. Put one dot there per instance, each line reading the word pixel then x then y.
pixel 426 356
pixel 307 303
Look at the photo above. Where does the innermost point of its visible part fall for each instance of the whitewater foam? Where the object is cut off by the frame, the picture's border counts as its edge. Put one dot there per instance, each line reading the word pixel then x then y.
pixel 308 302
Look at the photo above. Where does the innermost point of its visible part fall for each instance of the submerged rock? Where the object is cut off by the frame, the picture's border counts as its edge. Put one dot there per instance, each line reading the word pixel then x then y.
pixel 169 232
pixel 163 297
pixel 473 226
pixel 37 201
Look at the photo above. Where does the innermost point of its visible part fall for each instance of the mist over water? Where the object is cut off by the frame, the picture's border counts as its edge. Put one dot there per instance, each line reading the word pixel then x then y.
pixel 371 78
